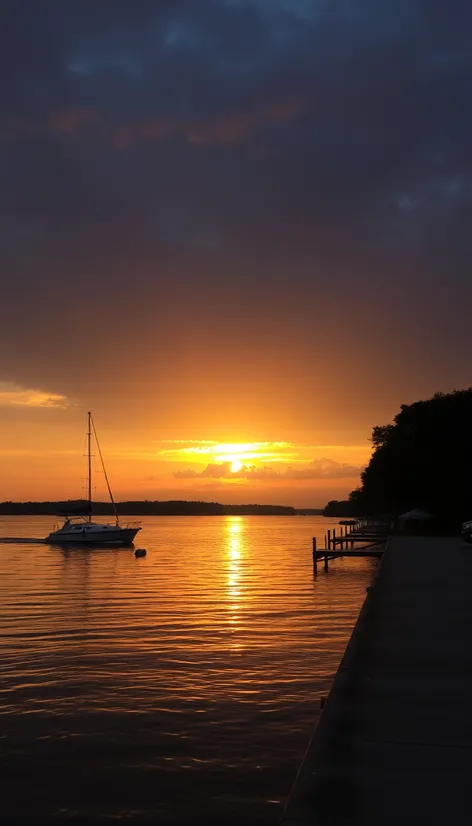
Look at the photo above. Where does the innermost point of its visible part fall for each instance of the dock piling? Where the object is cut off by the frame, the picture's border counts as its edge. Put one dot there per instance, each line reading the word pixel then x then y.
pixel 347 542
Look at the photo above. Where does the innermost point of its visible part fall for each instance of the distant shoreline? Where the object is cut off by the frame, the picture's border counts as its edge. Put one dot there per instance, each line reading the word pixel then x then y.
pixel 155 508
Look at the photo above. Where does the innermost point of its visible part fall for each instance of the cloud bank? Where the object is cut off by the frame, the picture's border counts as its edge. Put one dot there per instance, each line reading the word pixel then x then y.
pixel 12 395
pixel 317 469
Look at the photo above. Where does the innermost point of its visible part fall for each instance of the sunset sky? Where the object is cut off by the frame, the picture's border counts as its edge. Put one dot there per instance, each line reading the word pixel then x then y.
pixel 237 230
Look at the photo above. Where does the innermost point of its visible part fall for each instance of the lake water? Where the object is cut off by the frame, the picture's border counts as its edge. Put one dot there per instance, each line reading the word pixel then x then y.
pixel 178 688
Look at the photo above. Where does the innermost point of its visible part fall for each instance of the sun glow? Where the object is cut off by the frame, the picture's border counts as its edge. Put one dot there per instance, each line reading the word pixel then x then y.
pixel 228 451
pixel 236 465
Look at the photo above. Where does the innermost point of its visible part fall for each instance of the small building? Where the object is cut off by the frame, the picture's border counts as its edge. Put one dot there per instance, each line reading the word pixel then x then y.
pixel 415 521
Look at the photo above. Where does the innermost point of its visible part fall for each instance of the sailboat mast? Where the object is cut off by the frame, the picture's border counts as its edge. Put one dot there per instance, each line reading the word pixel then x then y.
pixel 89 451
pixel 105 474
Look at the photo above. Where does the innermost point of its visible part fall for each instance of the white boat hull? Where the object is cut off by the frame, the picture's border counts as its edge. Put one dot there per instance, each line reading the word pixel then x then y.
pixel 109 536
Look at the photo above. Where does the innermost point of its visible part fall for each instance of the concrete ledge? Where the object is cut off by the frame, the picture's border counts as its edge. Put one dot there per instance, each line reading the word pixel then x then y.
pixel 299 807
pixel 394 741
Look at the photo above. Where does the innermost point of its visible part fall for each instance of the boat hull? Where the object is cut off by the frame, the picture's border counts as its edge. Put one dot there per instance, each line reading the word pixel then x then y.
pixel 118 536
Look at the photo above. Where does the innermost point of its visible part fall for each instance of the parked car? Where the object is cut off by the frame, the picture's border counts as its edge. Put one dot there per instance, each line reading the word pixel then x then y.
pixel 466 531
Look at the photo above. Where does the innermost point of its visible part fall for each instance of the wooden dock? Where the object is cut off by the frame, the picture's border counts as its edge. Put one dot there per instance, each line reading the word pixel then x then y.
pixel 394 741
pixel 355 538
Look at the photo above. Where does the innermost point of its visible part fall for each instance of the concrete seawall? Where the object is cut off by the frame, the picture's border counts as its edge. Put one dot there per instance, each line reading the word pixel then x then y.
pixel 394 741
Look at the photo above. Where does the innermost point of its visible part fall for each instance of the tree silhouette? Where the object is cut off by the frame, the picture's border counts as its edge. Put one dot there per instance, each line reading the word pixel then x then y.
pixel 423 460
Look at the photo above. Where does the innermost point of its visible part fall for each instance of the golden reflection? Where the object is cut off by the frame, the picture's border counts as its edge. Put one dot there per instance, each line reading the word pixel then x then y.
pixel 234 553
pixel 235 524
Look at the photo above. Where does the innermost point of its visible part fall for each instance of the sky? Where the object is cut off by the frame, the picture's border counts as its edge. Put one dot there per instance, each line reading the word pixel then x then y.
pixel 236 230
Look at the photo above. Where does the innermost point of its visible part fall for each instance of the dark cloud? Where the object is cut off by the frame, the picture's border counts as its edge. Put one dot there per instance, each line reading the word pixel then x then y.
pixel 231 166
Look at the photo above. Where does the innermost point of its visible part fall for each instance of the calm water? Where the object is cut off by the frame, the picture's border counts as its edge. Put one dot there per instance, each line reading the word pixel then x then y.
pixel 177 688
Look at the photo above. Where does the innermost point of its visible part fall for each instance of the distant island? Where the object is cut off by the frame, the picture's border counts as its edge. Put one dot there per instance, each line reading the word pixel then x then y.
pixel 148 508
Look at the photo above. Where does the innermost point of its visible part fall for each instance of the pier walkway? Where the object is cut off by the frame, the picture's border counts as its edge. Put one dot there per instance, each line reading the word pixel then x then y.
pixel 394 741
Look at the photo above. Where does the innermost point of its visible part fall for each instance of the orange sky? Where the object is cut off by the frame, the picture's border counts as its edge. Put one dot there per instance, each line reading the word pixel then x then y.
pixel 43 445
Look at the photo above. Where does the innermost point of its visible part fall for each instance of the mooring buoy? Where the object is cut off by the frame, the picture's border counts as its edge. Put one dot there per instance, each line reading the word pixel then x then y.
pixel 140 552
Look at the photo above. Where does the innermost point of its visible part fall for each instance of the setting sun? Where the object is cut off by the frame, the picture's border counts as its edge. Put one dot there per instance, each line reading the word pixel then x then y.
pixel 236 465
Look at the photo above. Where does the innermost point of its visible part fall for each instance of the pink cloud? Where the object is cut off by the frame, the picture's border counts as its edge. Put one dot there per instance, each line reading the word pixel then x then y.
pixel 222 130
pixel 69 121
pixel 217 131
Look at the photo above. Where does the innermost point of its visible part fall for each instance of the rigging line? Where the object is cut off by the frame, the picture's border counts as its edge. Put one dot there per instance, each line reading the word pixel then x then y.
pixel 89 436
pixel 105 471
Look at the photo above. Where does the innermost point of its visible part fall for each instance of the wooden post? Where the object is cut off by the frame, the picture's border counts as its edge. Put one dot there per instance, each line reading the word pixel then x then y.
pixel 326 562
pixel 334 539
pixel 315 563
pixel 329 540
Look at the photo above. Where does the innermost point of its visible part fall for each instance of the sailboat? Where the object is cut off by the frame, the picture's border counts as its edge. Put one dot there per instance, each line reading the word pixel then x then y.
pixel 78 528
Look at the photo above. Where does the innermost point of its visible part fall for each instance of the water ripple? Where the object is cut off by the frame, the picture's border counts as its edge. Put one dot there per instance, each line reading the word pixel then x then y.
pixel 133 686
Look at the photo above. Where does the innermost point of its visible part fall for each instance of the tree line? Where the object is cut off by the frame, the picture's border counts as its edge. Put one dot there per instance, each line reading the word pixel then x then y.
pixel 143 508
pixel 422 460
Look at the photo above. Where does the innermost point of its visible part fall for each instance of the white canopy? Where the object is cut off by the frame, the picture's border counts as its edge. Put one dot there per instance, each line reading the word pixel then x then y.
pixel 414 514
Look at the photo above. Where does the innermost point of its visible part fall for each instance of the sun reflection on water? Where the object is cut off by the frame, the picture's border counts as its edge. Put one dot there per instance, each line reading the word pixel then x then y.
pixel 235 552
